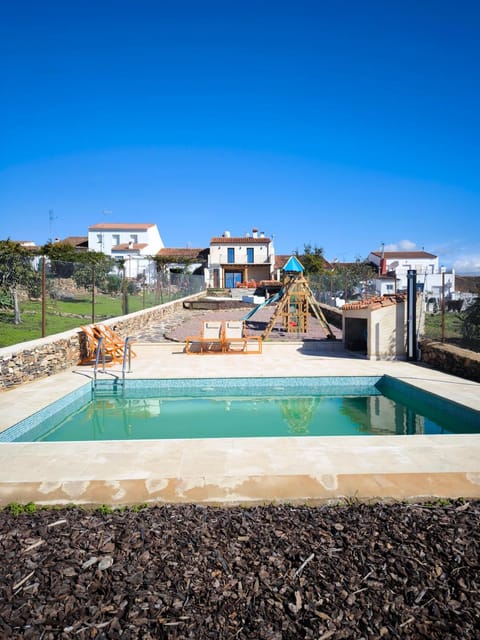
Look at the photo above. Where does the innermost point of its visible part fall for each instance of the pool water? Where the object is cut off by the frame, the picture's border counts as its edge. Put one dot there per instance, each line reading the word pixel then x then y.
pixel 236 408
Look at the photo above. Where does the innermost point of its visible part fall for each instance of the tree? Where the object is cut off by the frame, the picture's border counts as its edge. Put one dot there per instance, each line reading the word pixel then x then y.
pixel 352 277
pixel 312 259
pixel 93 267
pixel 15 270
pixel 471 324
pixel 62 258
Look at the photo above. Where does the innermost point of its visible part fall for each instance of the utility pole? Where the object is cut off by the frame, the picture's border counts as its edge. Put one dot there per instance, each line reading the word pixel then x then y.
pixel 443 306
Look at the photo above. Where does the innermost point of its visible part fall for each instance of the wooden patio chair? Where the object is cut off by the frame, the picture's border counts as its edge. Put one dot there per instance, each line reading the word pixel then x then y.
pixel 236 340
pixel 112 339
pixel 210 339
pixel 90 346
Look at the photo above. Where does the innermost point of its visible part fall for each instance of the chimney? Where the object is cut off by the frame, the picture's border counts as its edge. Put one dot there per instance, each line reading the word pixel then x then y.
pixel 262 234
pixel 254 232
pixel 226 234
pixel 383 262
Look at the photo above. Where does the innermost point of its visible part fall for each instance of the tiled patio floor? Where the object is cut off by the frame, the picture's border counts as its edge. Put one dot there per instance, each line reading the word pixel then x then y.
pixel 228 470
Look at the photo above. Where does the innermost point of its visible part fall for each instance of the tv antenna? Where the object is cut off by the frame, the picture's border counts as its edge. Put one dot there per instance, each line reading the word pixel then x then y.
pixel 51 218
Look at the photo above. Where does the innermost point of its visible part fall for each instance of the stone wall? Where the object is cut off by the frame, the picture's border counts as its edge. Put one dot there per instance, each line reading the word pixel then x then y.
pixel 451 359
pixel 332 315
pixel 35 359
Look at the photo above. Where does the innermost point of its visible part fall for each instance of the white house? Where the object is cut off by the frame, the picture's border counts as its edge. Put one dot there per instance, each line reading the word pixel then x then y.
pixel 134 243
pixel 240 259
pixel 396 264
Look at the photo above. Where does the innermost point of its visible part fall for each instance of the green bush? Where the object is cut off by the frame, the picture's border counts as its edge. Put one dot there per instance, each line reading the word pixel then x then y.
pixel 471 324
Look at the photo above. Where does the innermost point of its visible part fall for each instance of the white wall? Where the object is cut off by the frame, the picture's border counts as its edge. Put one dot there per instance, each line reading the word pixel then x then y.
pixel 261 253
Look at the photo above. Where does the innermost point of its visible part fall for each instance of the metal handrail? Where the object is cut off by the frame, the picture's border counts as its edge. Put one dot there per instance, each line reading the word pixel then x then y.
pixel 100 350
pixel 127 357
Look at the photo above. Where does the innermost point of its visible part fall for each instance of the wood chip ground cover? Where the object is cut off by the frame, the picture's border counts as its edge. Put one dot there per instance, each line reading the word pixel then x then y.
pixel 275 572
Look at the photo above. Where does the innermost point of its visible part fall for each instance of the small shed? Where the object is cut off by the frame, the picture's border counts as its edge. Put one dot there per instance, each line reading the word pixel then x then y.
pixel 377 327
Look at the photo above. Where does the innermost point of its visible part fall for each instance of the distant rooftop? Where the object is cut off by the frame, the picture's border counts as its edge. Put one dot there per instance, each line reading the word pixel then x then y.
pixel 406 255
pixel 76 241
pixel 129 246
pixel 181 252
pixel 114 226
pixel 239 240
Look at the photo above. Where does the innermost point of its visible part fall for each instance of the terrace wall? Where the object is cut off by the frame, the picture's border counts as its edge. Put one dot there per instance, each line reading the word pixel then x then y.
pixel 332 315
pixel 451 359
pixel 28 361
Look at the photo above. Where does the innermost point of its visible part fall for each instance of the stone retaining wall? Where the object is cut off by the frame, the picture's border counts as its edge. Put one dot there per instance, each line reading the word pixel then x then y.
pixel 35 359
pixel 451 359
pixel 332 315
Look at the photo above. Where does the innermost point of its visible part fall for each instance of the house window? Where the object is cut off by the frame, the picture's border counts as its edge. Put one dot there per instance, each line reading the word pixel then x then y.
pixel 250 255
pixel 115 239
pixel 389 287
pixel 134 238
pixel 230 255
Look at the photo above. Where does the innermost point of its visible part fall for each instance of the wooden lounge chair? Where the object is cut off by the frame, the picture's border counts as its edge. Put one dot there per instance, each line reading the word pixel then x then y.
pixel 90 346
pixel 112 339
pixel 210 339
pixel 236 340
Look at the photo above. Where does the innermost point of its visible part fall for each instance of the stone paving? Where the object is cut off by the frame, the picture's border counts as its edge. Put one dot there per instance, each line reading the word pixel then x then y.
pixel 188 323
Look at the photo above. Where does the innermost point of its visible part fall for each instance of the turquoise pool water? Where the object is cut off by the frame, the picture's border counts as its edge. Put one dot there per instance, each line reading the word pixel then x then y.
pixel 236 408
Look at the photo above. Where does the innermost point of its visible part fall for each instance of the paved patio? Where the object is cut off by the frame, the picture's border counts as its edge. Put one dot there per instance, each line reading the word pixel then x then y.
pixel 242 470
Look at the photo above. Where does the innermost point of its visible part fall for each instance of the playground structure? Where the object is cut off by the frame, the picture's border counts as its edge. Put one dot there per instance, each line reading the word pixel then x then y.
pixel 295 302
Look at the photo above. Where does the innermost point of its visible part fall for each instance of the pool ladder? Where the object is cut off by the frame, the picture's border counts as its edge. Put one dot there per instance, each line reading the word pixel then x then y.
pixel 111 387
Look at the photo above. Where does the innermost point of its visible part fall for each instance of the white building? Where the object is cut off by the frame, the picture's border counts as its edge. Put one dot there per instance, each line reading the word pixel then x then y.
pixel 132 243
pixel 396 264
pixel 241 259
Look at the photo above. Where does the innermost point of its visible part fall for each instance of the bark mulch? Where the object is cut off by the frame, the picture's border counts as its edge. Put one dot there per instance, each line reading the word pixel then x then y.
pixel 277 572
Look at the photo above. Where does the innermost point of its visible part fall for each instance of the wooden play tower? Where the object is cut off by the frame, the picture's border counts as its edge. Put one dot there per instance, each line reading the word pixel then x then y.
pixel 296 303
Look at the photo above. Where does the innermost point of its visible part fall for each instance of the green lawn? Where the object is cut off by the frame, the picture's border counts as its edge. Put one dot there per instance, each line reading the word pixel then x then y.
pixel 64 315
pixel 453 326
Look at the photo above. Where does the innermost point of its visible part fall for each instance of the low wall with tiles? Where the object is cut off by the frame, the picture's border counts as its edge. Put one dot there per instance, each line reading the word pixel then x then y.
pixel 28 361
pixel 451 359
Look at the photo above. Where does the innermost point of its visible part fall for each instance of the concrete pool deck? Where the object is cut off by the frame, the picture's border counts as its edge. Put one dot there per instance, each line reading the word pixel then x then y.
pixel 242 470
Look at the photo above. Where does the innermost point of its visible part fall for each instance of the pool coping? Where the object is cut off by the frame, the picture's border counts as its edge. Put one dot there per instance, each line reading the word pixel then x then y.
pixel 232 471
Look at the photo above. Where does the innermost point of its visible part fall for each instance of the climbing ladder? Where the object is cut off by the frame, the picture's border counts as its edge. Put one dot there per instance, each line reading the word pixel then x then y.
pixel 102 387
pixel 294 306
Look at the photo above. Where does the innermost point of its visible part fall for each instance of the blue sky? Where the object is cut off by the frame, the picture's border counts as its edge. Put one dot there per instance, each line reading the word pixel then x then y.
pixel 338 123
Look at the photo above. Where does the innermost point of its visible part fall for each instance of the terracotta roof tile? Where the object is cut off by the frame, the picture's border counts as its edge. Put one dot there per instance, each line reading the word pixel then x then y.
pixel 239 240
pixel 125 246
pixel 75 240
pixel 181 252
pixel 112 226
pixel 376 302
pixel 407 255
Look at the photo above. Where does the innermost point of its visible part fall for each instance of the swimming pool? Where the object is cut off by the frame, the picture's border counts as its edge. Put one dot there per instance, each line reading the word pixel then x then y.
pixel 245 407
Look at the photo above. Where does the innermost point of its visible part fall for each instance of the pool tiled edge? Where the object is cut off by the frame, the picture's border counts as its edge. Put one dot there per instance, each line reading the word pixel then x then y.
pixel 228 471
pixel 239 472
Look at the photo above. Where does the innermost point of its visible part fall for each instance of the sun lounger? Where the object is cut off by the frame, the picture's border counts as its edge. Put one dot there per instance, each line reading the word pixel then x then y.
pixel 210 339
pixel 236 340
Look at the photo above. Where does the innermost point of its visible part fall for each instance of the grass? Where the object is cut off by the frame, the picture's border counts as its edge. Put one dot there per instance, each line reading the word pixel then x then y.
pixel 64 315
pixel 453 326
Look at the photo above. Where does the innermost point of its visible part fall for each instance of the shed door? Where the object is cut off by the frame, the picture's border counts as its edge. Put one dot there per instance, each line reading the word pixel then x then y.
pixel 355 337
